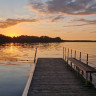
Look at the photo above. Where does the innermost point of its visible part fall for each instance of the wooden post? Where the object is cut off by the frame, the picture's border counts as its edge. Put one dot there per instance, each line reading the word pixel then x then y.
pixel 63 52
pixel 80 56
pixel 71 57
pixel 35 55
pixel 71 52
pixel 75 54
pixel 67 55
pixel 87 60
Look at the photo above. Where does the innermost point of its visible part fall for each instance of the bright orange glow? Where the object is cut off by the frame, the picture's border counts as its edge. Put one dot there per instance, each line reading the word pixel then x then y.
pixel 12 34
pixel 44 29
pixel 11 31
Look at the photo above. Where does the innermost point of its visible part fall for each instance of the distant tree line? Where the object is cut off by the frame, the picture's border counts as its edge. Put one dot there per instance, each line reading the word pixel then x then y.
pixel 35 39
pixel 28 39
pixel 5 39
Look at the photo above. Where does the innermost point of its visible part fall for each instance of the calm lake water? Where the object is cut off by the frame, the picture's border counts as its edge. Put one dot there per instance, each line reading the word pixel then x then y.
pixel 16 60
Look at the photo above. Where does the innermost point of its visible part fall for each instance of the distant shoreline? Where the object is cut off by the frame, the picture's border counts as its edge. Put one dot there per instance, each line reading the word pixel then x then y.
pixel 36 39
pixel 78 41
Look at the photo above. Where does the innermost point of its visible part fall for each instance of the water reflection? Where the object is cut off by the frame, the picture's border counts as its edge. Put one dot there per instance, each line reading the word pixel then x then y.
pixel 15 64
pixel 16 59
pixel 24 52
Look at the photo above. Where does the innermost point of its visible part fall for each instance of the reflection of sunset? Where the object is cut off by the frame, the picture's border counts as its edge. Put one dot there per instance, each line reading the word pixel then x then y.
pixel 10 53
pixel 12 50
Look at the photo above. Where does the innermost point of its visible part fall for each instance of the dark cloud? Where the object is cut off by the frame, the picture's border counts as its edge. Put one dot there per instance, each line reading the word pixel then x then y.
pixel 87 21
pixel 11 22
pixel 84 21
pixel 37 5
pixel 57 18
pixel 69 7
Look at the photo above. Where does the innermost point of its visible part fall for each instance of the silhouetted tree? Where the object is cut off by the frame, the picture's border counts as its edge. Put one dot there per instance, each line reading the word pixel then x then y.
pixel 5 39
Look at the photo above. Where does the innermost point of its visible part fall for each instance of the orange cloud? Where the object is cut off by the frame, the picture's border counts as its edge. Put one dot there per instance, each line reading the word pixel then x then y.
pixel 12 22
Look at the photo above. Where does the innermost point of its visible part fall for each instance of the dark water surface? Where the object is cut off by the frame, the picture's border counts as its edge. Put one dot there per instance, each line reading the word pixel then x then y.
pixel 16 60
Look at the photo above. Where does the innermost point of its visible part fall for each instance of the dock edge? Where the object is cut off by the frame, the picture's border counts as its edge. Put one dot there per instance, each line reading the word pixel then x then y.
pixel 25 92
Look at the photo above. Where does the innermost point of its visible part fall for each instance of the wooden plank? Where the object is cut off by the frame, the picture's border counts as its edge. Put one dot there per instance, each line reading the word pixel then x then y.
pixel 53 78
pixel 82 65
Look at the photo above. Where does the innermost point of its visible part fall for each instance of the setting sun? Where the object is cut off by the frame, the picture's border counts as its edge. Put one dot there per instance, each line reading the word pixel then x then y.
pixel 48 45
pixel 12 34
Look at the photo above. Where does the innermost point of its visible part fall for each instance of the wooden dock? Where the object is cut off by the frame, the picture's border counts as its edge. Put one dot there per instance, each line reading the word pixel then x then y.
pixel 53 78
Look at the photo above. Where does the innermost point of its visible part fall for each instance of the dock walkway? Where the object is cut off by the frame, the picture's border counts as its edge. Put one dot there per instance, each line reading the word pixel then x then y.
pixel 53 78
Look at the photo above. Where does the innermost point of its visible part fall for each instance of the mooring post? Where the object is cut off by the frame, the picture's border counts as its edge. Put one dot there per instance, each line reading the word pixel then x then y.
pixel 75 54
pixel 68 52
pixel 80 56
pixel 71 53
pixel 87 60
pixel 71 57
pixel 67 55
pixel 35 55
pixel 63 52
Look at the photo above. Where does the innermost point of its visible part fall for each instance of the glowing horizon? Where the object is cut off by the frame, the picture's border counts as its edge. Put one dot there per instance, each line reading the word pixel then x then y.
pixel 55 18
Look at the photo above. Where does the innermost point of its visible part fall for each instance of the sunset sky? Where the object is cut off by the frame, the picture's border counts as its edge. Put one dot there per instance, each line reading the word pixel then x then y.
pixel 68 19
